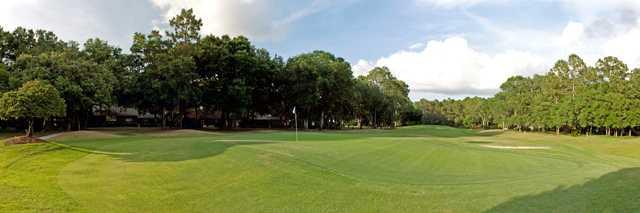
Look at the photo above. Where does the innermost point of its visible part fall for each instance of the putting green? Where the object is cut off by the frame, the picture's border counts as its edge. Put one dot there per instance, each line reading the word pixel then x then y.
pixel 415 169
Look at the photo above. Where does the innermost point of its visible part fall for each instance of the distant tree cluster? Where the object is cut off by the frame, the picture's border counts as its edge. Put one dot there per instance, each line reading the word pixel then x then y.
pixel 174 73
pixel 572 97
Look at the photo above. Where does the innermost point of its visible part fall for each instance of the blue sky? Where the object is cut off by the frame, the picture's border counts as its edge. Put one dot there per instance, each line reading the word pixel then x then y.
pixel 442 48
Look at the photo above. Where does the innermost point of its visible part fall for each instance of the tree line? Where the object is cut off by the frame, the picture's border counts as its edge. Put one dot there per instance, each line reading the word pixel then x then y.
pixel 171 74
pixel 572 97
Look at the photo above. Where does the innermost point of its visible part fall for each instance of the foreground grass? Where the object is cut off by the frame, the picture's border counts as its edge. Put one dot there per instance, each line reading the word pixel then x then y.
pixel 413 169
pixel 29 178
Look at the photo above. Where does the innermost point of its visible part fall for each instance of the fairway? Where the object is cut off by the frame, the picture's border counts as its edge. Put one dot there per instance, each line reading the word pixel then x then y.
pixel 410 169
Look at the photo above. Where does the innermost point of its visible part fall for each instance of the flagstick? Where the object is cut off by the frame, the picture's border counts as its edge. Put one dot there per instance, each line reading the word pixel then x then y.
pixel 295 115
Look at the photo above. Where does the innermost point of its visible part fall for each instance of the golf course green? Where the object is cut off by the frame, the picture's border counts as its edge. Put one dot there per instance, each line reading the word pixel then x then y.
pixel 409 169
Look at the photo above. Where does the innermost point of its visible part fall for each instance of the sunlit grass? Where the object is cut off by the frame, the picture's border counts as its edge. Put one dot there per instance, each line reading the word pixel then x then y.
pixel 412 169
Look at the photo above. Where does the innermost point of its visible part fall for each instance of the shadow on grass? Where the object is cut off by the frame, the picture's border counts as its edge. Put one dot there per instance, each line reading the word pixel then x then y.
pixel 163 149
pixel 614 192
pixel 182 150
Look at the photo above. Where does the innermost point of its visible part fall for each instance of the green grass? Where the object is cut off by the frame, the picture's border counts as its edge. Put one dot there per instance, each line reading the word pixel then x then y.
pixel 412 169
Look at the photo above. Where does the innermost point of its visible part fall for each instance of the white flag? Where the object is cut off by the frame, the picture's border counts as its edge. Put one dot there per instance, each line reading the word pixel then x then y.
pixel 294 110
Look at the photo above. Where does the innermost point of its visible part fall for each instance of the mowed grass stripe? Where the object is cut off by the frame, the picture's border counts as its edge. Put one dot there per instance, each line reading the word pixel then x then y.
pixel 414 169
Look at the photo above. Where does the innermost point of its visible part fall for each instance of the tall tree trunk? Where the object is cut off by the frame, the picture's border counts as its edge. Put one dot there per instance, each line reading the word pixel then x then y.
pixel 29 132
pixel 375 119
pixel 182 112
pixel 321 120
pixel 163 117
pixel 172 118
pixel 198 119
pixel 87 116
pixel 557 130
pixel 225 122
pixel 44 124
pixel 484 123
pixel 78 122
pixel 68 123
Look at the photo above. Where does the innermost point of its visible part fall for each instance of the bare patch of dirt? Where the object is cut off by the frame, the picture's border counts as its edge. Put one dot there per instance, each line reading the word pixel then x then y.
pixel 22 140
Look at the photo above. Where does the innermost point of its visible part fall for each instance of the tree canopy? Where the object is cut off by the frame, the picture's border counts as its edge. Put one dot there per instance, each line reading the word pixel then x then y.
pixel 34 100
pixel 572 97
pixel 180 78
pixel 184 79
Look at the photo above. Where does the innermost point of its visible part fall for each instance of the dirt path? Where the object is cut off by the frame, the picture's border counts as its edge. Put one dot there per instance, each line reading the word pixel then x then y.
pixel 47 137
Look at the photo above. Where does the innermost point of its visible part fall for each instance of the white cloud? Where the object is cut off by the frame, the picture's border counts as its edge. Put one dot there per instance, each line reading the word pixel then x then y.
pixel 114 20
pixel 234 17
pixel 618 41
pixel 451 67
pixel 35 14
pixel 256 19
pixel 416 46
pixel 571 35
pixel 625 46
pixel 362 67
pixel 117 20
pixel 596 7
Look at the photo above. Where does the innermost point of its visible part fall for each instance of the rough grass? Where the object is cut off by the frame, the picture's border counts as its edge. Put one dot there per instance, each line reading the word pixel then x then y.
pixel 413 169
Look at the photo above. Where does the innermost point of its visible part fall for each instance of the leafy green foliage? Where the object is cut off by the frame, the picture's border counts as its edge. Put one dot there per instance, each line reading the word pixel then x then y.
pixel 81 82
pixel 572 97
pixel 173 74
pixel 227 67
pixel 383 100
pixel 4 78
pixel 186 27
pixel 318 85
pixel 35 99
